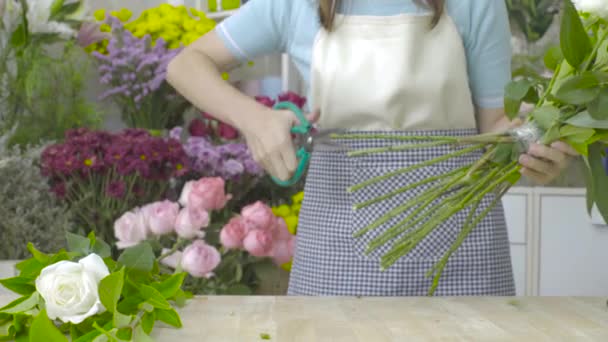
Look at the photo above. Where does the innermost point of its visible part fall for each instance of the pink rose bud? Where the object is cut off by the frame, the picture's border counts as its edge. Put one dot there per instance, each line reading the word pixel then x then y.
pixel 208 193
pixel 258 243
pixel 161 216
pixel 198 128
pixel 172 260
pixel 227 132
pixel 282 250
pixel 200 259
pixel 233 233
pixel 259 216
pixel 265 100
pixel 281 231
pixel 190 221
pixel 130 229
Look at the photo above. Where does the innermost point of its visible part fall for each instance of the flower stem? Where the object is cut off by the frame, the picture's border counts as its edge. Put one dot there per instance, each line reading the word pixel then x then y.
pixel 180 242
pixel 430 193
pixel 395 148
pixel 415 167
pixel 438 268
pixel 408 187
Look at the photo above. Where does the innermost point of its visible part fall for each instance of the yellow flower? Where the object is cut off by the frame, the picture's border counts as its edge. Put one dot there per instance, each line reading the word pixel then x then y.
pixel 154 26
pixel 100 14
pixel 292 224
pixel 296 208
pixel 282 210
pixel 287 266
pixel 297 198
pixel 226 76
pixel 174 44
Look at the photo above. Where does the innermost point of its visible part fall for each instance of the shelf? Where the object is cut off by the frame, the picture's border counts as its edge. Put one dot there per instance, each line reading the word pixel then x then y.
pixel 220 15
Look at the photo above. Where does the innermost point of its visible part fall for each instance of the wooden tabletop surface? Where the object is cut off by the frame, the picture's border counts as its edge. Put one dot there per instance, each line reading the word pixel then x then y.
pixel 324 319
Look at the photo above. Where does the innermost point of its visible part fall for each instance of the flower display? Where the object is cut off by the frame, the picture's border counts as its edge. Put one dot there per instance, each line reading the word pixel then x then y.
pixel 177 26
pixel 289 214
pixel 83 294
pixel 594 7
pixel 103 174
pixel 134 70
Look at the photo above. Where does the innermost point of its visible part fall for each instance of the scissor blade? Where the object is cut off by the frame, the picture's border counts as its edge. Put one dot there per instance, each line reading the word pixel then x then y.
pixel 322 140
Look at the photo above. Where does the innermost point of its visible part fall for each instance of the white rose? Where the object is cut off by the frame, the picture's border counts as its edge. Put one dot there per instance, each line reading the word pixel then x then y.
pixel 183 198
pixel 70 290
pixel 597 7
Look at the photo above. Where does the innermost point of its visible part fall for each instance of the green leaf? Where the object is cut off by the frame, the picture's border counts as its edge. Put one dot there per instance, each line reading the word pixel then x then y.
pixel 265 336
pixel 169 287
pixel 5 330
pixel 515 92
pixel 20 285
pixel 124 334
pixel 598 108
pixel 147 321
pixel 38 255
pixel 154 298
pixel 600 180
pixel 89 337
pixel 147 307
pixel 19 36
pixel 545 116
pixel 121 320
pixel 110 289
pixel 22 306
pixel 584 119
pixel 170 317
pixel 576 134
pixel 574 41
pixel 551 135
pixel 99 247
pixel 56 6
pixel 78 244
pixel 44 330
pixel 553 57
pixel 580 89
pixel 503 153
pixel 140 336
pixel 140 257
pixel 180 298
pixel 30 268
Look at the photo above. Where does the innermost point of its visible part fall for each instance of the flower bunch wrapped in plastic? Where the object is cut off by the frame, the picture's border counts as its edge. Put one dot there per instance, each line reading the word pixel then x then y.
pixel 134 69
pixel 101 174
pixel 571 106
pixel 177 26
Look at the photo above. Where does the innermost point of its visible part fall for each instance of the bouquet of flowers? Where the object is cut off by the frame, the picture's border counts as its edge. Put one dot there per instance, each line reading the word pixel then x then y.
pixel 219 250
pixel 571 106
pixel 289 213
pixel 134 69
pixel 101 175
pixel 86 295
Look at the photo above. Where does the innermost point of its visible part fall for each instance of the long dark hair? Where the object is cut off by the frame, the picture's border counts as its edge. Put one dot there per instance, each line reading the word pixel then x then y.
pixel 328 8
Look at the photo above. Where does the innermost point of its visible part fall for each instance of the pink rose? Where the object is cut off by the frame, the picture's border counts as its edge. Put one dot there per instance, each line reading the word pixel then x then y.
pixel 258 242
pixel 130 229
pixel 200 259
pixel 282 250
pixel 259 216
pixel 265 100
pixel 227 132
pixel 186 190
pixel 198 128
pixel 281 231
pixel 233 233
pixel 190 221
pixel 207 193
pixel 172 260
pixel 161 216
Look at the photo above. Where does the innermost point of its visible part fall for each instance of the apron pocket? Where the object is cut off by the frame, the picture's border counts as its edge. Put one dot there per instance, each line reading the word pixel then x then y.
pixel 430 248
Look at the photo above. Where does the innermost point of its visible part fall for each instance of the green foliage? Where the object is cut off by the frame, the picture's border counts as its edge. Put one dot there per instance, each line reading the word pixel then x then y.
pixel 46 95
pixel 136 297
pixel 532 17
pixel 29 211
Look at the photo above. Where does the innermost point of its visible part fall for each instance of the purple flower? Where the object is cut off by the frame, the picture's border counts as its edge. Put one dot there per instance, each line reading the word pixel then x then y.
pixel 116 189
pixel 232 168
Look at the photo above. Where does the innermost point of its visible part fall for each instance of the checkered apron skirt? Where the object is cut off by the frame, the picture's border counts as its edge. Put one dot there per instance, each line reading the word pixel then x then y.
pixel 329 261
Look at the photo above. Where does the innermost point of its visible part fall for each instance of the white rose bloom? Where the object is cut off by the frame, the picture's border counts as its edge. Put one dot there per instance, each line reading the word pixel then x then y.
pixel 39 15
pixel 597 7
pixel 70 289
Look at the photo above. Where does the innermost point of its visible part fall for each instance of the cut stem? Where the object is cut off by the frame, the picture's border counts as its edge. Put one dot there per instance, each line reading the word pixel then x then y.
pixel 395 148
pixel 415 167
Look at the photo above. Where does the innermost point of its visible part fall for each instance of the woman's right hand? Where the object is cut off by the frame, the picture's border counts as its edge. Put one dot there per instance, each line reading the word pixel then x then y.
pixel 268 135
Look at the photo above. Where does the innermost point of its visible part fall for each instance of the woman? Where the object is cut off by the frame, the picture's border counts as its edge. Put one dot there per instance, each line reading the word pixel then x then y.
pixel 400 65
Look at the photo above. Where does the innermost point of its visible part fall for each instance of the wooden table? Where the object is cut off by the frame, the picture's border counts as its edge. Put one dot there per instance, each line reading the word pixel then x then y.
pixel 243 319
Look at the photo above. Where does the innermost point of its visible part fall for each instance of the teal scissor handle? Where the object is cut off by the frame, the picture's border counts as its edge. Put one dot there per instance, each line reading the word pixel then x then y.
pixel 302 154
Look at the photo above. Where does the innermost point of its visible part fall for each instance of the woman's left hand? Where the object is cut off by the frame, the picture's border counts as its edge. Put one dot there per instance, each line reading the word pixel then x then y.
pixel 542 164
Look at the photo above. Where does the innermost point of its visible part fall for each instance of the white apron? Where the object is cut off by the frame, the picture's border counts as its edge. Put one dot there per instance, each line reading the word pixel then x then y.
pixel 390 73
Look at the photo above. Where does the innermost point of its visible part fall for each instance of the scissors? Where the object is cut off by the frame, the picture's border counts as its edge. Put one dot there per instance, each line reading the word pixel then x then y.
pixel 307 138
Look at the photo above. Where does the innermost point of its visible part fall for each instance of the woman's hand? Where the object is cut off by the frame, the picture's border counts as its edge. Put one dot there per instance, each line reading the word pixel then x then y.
pixel 542 164
pixel 268 135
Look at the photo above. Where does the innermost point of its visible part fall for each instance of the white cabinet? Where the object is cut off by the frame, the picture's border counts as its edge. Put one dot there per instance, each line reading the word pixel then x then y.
pixel 518 212
pixel 573 252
